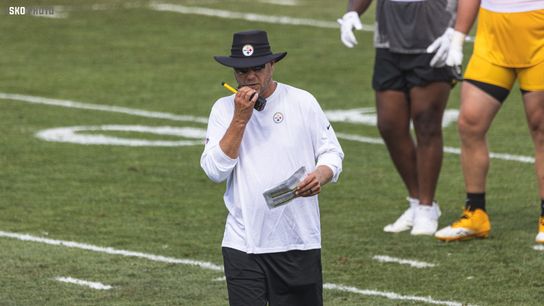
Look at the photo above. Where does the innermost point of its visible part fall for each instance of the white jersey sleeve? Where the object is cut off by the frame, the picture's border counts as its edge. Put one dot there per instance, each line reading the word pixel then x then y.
pixel 327 149
pixel 215 163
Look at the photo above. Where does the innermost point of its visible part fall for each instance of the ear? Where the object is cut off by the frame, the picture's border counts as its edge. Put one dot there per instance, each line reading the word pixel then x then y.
pixel 272 65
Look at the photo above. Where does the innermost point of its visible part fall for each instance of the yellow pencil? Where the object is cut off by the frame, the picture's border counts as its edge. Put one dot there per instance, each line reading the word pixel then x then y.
pixel 230 88
pixel 259 104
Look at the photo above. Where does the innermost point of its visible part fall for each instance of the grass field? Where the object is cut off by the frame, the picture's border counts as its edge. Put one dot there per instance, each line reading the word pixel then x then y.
pixel 145 219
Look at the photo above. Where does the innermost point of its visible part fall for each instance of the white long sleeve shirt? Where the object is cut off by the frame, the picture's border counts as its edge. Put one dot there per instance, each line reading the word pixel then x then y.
pixel 292 131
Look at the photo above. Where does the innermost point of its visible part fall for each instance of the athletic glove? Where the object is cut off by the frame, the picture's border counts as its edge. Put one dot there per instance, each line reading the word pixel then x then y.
pixel 441 46
pixel 455 54
pixel 349 21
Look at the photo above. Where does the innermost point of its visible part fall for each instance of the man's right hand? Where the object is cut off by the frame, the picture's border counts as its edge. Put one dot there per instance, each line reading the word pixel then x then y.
pixel 455 53
pixel 244 101
pixel 348 22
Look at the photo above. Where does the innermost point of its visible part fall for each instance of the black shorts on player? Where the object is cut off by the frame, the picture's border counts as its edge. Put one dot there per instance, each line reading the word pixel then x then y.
pixel 402 72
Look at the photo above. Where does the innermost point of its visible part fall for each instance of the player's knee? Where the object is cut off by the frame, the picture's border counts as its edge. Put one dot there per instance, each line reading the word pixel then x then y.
pixel 427 127
pixel 387 128
pixel 536 127
pixel 469 127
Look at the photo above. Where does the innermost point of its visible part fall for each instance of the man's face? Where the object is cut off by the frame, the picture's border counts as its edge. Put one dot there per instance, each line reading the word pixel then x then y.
pixel 259 78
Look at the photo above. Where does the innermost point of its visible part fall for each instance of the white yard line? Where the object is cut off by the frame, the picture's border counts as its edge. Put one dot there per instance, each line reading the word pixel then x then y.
pixel 72 135
pixel 452 150
pixel 93 285
pixel 208 266
pixel 204 11
pixel 391 295
pixel 99 107
pixel 112 251
pixel 168 116
pixel 410 262
pixel 281 2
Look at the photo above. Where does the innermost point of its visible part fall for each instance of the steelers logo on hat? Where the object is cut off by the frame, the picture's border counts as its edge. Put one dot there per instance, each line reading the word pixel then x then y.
pixel 247 50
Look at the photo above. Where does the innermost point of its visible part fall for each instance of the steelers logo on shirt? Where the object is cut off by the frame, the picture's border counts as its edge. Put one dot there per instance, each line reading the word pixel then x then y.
pixel 247 50
pixel 278 117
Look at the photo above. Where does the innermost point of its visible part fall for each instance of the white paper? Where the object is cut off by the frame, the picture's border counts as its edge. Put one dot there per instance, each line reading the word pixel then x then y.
pixel 284 191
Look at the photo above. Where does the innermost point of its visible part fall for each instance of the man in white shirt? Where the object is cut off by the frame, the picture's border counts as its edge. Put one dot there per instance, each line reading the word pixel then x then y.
pixel 271 254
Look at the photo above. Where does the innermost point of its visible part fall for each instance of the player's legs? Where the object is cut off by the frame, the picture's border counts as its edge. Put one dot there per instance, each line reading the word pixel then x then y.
pixel 393 112
pixel 409 89
pixel 427 109
pixel 532 83
pixel 482 94
pixel 478 109
pixel 534 110
pixel 393 109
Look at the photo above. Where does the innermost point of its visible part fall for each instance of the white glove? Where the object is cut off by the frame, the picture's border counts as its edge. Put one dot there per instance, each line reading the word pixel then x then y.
pixel 441 46
pixel 455 55
pixel 349 21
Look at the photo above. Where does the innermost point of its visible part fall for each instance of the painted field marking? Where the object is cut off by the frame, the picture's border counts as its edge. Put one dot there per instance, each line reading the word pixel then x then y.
pixel 391 295
pixel 72 135
pixel 107 250
pixel 280 2
pixel 168 116
pixel 539 247
pixel 204 11
pixel 99 107
pixel 93 285
pixel 210 266
pixel 368 116
pixel 410 262
pixel 452 150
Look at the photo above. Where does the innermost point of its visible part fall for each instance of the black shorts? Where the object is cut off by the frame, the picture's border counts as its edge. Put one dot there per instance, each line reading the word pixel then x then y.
pixel 291 278
pixel 399 71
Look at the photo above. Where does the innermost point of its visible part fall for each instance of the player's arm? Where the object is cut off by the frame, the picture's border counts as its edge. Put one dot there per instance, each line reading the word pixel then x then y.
pixel 351 20
pixel 467 11
pixel 359 6
pixel 243 109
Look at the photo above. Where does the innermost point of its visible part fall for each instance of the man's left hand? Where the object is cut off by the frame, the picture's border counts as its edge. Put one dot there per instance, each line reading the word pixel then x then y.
pixel 312 183
pixel 309 186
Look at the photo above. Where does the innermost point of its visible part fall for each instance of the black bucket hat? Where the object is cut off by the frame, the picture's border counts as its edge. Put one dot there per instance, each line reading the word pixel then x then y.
pixel 250 49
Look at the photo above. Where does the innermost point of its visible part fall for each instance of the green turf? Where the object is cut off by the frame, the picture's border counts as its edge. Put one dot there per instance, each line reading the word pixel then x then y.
pixel 157 200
